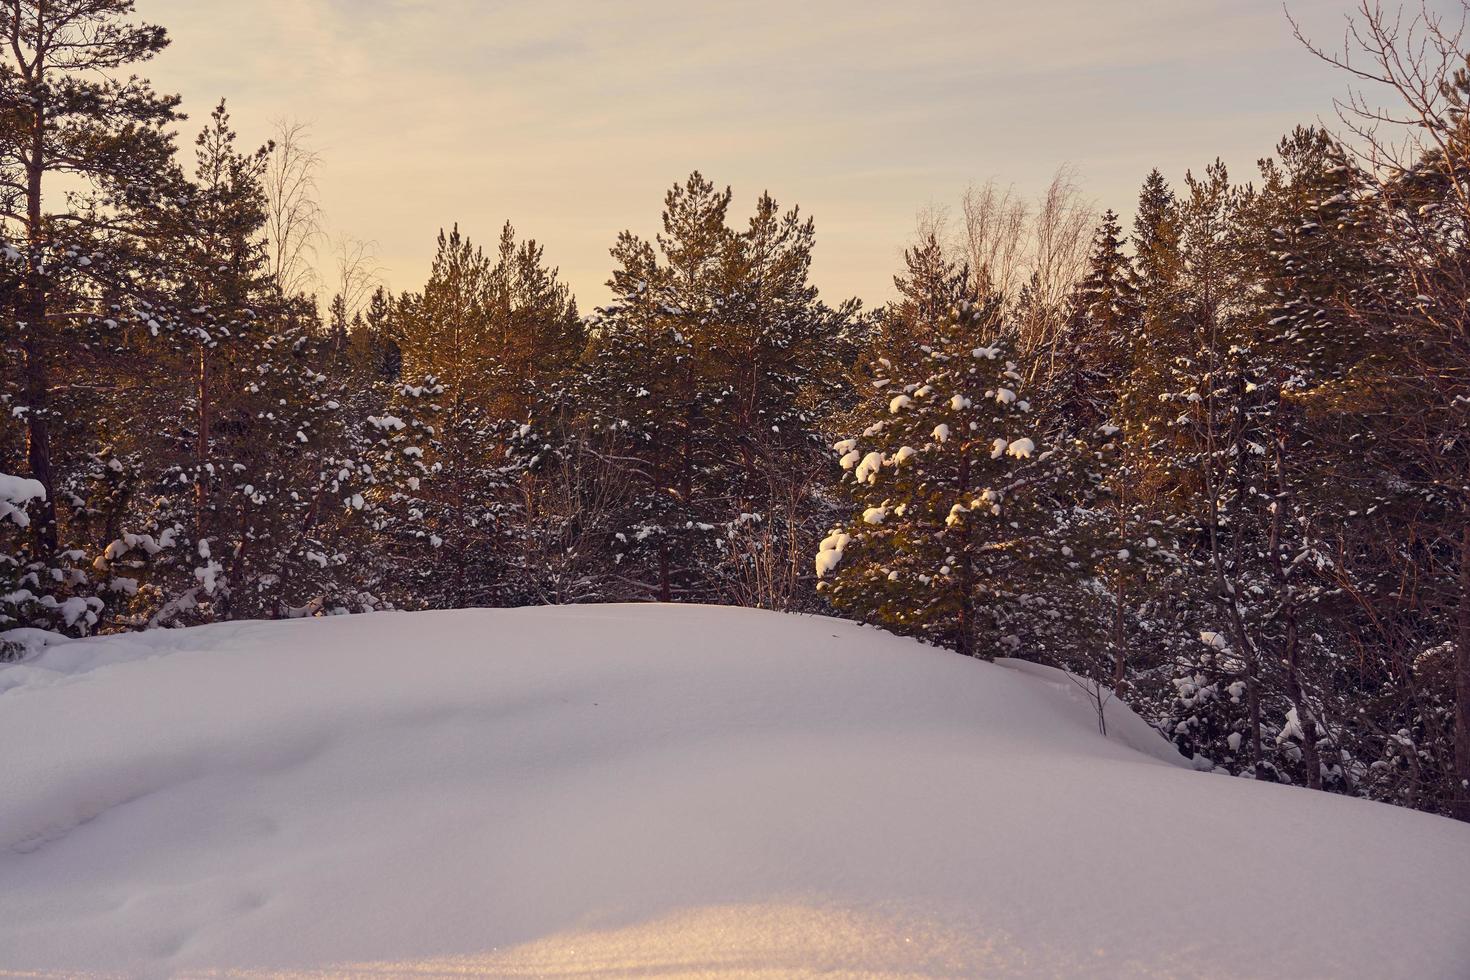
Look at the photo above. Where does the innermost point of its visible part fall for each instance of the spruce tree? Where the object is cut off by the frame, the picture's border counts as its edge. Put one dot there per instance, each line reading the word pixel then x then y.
pixel 940 471
pixel 1094 351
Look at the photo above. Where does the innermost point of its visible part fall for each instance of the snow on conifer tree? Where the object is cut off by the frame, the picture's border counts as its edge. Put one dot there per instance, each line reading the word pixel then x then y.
pixel 480 345
pixel 772 354
pixel 1093 352
pixel 70 111
pixel 1231 441
pixel 645 408
pixel 230 509
pixel 709 376
pixel 50 591
pixel 940 480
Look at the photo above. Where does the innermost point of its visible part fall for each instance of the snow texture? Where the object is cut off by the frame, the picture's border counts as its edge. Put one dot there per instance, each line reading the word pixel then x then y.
pixel 1021 448
pixel 867 471
pixel 660 790
pixel 15 493
pixel 829 552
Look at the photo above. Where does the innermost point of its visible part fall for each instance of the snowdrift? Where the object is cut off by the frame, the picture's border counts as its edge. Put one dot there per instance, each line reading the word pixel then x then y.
pixel 659 791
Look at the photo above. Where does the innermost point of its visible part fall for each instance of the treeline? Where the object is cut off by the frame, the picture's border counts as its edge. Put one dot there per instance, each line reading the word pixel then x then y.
pixel 1215 464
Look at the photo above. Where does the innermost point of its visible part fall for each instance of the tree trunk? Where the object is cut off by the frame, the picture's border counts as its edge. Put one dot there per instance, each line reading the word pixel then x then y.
pixel 1120 642
pixel 1304 717
pixel 966 644
pixel 35 376
pixel 665 594
pixel 1253 709
pixel 1460 799
pixel 1120 609
pixel 201 448
pixel 38 431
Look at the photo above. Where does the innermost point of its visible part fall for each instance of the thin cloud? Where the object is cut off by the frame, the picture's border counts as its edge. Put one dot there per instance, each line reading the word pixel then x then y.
pixel 571 118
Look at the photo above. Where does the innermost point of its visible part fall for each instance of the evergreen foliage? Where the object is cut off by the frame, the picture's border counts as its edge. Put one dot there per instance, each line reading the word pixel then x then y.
pixel 1220 472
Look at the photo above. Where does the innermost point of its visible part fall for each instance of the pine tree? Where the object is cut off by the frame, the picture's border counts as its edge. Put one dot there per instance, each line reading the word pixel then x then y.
pixel 652 392
pixel 1089 600
pixel 457 507
pixel 772 346
pixel 376 348
pixel 228 511
pixel 536 332
pixel 712 375
pixel 66 111
pixel 647 411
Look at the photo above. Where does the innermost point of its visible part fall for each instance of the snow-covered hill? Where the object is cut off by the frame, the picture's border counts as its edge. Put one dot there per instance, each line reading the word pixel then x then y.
pixel 646 790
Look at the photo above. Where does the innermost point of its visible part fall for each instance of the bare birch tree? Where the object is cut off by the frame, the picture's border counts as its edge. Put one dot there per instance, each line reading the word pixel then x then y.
pixel 1057 260
pixel 293 214
pixel 994 232
pixel 1032 255
pixel 356 272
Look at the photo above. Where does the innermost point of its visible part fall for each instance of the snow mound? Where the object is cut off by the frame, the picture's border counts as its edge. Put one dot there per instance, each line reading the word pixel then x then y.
pixel 659 790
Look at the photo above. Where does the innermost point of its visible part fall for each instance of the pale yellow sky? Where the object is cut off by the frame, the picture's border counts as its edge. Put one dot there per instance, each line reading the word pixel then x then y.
pixel 572 118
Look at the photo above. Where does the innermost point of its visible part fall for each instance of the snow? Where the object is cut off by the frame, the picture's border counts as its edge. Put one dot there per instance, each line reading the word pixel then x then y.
pixel 1021 449
pixel 829 552
pixel 76 609
pixel 1292 728
pixel 15 493
pixel 1214 640
pixel 671 790
pixel 867 470
pixel 20 490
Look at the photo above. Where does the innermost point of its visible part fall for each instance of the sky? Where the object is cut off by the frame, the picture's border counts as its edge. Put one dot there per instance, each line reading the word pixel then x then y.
pixel 571 118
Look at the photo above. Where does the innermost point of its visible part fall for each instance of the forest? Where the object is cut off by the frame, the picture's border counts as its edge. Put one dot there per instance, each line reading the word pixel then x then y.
pixel 1210 457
